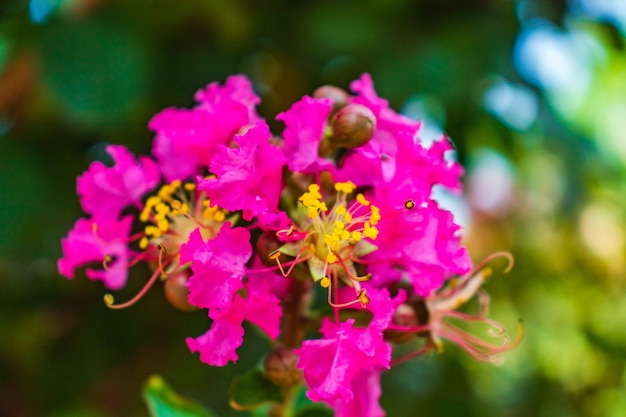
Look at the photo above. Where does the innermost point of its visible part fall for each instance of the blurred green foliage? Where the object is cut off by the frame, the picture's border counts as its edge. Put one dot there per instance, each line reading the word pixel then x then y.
pixel 93 72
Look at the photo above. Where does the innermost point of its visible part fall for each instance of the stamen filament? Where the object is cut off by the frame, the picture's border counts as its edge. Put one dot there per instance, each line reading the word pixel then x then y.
pixel 109 300
pixel 411 355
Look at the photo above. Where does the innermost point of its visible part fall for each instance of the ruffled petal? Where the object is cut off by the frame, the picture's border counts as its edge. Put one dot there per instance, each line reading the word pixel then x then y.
pixel 106 191
pixel 304 127
pixel 89 242
pixel 218 266
pixel 219 344
pixel 249 176
pixel 187 139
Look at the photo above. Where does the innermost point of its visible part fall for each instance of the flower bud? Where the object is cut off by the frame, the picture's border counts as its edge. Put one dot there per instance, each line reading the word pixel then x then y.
pixel 405 316
pixel 176 291
pixel 337 95
pixel 280 368
pixel 352 126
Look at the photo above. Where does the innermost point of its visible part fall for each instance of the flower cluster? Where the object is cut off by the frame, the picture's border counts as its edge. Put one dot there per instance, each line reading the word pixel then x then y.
pixel 251 226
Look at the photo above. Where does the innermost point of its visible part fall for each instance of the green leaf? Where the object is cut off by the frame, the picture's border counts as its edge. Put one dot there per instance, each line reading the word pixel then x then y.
pixel 316 410
pixel 291 248
pixel 164 402
pixel 251 390
pixel 363 247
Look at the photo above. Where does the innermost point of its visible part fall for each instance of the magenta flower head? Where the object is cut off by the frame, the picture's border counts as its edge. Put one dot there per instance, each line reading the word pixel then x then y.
pixel 187 139
pixel 253 227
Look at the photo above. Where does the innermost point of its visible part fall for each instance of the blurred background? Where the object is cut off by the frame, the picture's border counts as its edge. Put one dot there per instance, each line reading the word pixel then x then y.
pixel 532 92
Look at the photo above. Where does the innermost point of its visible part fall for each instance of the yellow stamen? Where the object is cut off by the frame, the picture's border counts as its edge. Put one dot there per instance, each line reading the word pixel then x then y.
pixel 325 282
pixel 409 204
pixel 360 198
pixel 331 258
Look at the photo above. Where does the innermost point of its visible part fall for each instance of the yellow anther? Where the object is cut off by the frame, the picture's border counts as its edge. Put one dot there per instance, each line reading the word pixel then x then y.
pixel 339 226
pixel 325 282
pixel 360 198
pixel 184 208
pixel 356 236
pixel 347 218
pixel 345 187
pixel 335 246
pixel 219 216
pixel 375 216
pixel 206 203
pixel 176 204
pixel 345 235
pixel 274 255
pixel 312 247
pixel 143 243
pixel 363 297
pixel 312 212
pixel 340 210
pixel 175 184
pixel 370 231
pixel 409 204
pixel 152 231
pixel 165 192
pixel 190 186
pixel 163 225
pixel 331 258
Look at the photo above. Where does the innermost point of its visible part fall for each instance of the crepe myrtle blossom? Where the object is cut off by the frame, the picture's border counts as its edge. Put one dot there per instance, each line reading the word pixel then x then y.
pixel 182 232
pixel 253 227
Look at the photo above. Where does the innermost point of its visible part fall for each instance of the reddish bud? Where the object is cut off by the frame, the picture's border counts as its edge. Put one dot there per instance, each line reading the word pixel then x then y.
pixel 176 291
pixel 280 368
pixel 352 126
pixel 339 97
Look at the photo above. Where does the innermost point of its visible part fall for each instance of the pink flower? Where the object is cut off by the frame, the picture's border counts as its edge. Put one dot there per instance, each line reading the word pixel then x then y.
pixel 304 127
pixel 421 244
pixel 94 241
pixel 330 364
pixel 366 389
pixel 104 191
pixel 218 345
pixel 187 139
pixel 218 266
pixel 249 177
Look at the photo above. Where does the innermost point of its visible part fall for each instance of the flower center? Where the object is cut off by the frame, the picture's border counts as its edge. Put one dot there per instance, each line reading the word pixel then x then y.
pixel 332 240
pixel 173 213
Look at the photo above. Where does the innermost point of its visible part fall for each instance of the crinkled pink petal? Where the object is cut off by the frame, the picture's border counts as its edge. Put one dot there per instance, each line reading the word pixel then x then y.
pixel 422 244
pixel 366 388
pixel 237 88
pixel 329 364
pixel 262 309
pixel 187 139
pixel 90 241
pixel 249 177
pixel 219 344
pixel 106 191
pixel 218 266
pixel 304 127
